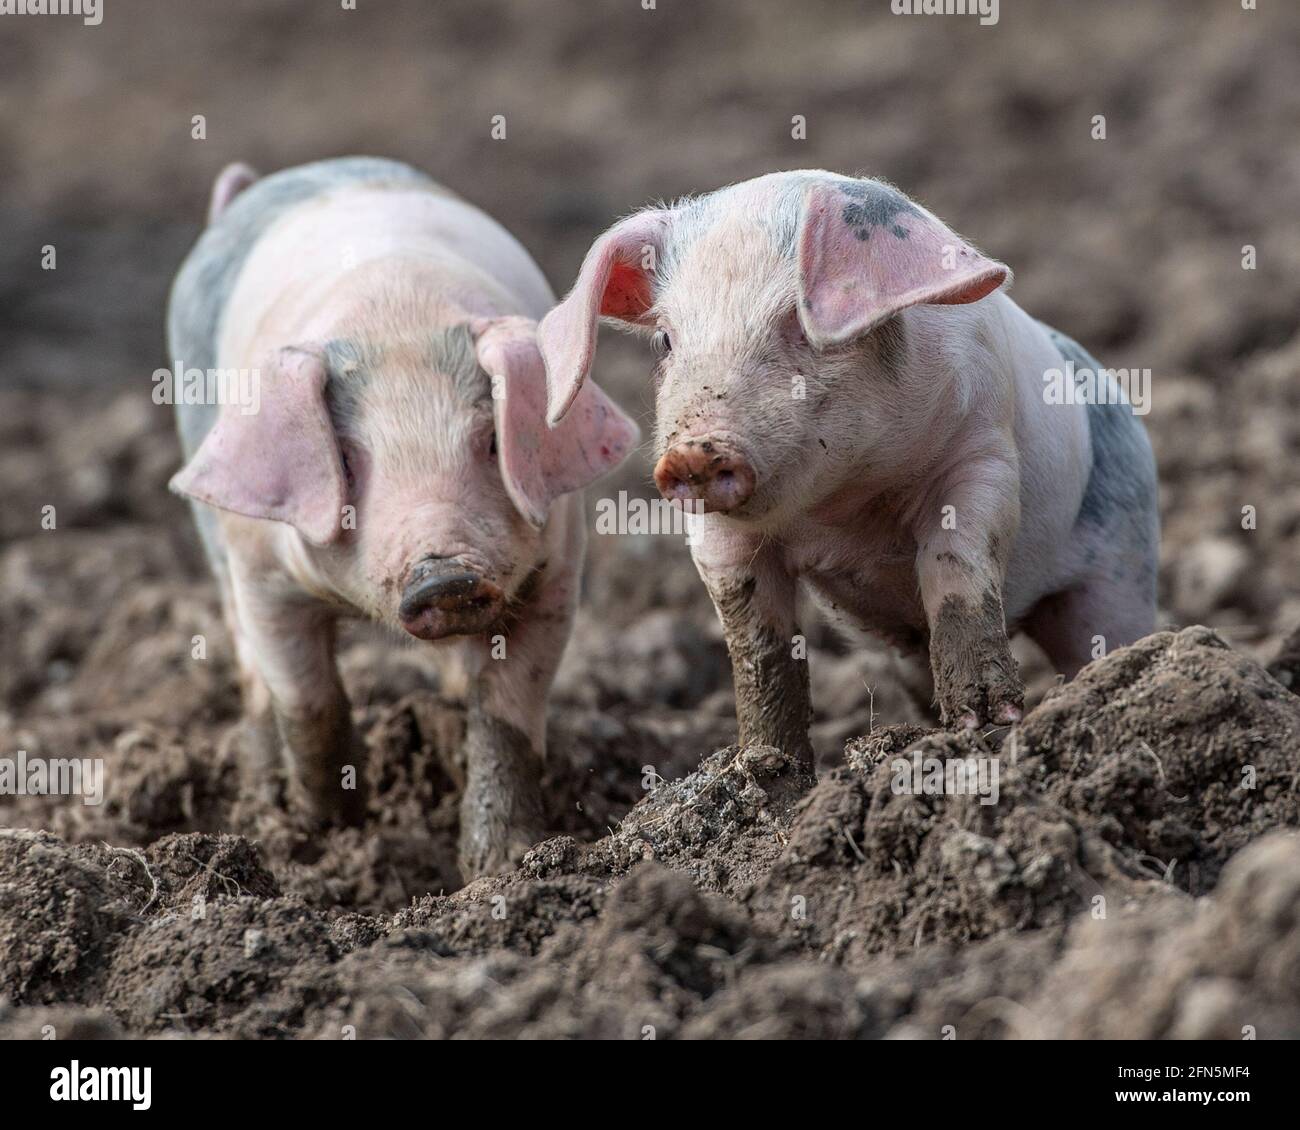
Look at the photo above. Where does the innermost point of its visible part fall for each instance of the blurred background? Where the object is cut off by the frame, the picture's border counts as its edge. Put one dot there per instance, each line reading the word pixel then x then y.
pixel 1132 244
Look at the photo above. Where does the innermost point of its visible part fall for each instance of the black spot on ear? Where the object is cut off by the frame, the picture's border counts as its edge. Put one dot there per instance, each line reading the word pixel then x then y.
pixel 874 206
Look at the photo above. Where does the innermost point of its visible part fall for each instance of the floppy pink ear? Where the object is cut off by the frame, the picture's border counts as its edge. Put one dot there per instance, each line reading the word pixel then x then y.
pixel 539 463
pixel 866 252
pixel 279 462
pixel 615 282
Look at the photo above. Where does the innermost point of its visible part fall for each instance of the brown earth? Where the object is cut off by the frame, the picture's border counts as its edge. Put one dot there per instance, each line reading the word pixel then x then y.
pixel 1139 875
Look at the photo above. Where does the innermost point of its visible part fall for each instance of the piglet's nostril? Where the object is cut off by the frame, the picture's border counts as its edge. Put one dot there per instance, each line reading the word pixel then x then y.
pixel 442 597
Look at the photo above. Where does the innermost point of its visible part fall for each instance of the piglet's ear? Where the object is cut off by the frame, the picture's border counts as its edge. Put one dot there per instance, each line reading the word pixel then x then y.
pixel 615 282
pixel 539 463
pixel 276 458
pixel 230 182
pixel 866 252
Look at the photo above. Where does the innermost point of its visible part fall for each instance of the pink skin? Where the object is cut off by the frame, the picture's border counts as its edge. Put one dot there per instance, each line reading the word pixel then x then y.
pixel 860 412
pixel 421 499
pixel 707 471
pixel 230 182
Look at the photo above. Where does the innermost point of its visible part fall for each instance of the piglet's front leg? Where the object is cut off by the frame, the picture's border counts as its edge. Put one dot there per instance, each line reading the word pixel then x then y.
pixel 961 563
pixel 755 599
pixel 501 808
pixel 289 643
pixel 501 814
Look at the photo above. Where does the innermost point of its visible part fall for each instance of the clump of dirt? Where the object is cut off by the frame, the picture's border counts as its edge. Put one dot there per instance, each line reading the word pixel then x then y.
pixel 1179 746
pixel 187 871
pixel 1154 766
pixel 1285 667
pixel 501 913
pixel 739 901
pixel 1226 968
pixel 236 965
pixel 630 962
pixel 724 824
pixel 61 909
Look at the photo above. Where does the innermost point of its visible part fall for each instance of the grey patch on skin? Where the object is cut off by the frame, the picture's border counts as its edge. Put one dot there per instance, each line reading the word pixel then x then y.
pixel 449 353
pixel 452 352
pixel 501 809
pixel 781 218
pixel 206 278
pixel 874 205
pixel 970 656
pixel 349 363
pixel 773 706
pixel 871 203
pixel 1122 496
pixel 786 220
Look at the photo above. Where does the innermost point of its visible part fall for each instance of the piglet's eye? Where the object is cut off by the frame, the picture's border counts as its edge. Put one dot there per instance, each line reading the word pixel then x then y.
pixel 662 343
pixel 492 446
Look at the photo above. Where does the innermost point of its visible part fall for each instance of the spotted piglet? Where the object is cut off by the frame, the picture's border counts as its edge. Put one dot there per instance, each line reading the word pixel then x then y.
pixel 397 467
pixel 845 391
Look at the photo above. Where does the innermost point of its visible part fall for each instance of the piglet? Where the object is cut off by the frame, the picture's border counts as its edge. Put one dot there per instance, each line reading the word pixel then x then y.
pixel 394 464
pixel 846 392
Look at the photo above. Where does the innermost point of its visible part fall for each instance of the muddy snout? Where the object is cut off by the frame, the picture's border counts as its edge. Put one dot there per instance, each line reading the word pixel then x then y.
pixel 442 597
pixel 708 472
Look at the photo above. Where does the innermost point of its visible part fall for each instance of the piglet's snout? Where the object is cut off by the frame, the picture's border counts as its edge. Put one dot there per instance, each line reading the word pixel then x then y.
pixel 705 471
pixel 442 597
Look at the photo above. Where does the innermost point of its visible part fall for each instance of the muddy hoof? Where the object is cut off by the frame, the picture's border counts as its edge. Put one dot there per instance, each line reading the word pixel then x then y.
pixel 976 681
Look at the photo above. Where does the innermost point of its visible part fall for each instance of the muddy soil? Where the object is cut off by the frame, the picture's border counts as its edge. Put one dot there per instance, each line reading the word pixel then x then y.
pixel 1139 873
